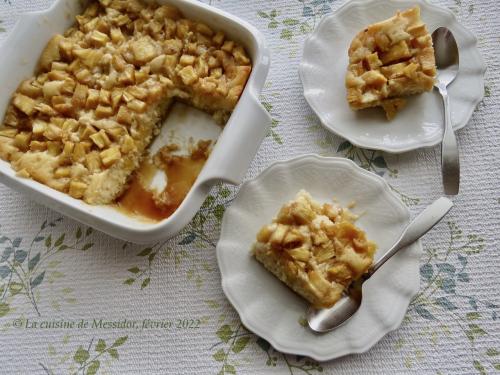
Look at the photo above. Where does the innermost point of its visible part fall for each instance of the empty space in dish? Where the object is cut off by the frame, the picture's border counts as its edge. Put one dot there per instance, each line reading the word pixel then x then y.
pixel 184 127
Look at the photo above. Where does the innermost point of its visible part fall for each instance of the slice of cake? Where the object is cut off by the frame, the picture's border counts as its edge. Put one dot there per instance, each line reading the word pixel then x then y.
pixel 314 249
pixel 390 60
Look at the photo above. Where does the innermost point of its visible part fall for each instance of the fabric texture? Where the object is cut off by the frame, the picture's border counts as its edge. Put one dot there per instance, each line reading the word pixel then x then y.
pixel 69 295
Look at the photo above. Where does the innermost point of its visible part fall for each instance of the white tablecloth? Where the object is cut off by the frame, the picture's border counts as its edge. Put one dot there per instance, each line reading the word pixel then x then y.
pixel 73 300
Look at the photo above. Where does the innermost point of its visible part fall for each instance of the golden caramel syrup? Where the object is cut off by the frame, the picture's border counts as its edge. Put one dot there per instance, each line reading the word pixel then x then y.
pixel 181 172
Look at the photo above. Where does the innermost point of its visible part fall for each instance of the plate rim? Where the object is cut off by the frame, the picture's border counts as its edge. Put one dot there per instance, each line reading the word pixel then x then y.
pixel 469 38
pixel 305 351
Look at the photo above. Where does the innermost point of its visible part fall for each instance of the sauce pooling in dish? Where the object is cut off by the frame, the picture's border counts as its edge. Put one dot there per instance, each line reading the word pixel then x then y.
pixel 181 172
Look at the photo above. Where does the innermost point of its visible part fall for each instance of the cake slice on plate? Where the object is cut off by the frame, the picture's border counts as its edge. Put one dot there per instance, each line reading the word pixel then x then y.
pixel 390 60
pixel 314 249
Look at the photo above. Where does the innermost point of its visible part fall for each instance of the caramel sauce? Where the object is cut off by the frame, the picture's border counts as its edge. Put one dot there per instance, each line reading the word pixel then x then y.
pixel 181 172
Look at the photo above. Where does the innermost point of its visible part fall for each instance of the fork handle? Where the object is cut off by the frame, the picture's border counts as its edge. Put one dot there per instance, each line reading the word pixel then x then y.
pixel 450 160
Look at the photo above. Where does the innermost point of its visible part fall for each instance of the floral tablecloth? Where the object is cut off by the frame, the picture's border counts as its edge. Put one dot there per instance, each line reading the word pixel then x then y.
pixel 73 300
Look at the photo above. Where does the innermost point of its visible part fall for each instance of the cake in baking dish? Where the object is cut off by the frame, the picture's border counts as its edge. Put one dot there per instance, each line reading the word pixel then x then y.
pixel 83 122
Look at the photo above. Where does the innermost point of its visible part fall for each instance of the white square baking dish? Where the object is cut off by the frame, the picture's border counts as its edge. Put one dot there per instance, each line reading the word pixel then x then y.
pixel 235 148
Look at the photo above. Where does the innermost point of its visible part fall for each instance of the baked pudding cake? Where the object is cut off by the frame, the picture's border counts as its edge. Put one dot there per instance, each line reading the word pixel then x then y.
pixel 315 249
pixel 83 123
pixel 390 60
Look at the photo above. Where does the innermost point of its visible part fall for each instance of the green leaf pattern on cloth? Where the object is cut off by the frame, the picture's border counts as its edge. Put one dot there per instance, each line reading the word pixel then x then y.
pixel 87 359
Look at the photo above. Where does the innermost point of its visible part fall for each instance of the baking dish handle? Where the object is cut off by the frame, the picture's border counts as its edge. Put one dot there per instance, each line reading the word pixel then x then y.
pixel 240 140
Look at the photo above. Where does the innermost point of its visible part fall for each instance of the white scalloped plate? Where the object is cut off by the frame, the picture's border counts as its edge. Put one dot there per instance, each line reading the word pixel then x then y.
pixel 271 310
pixel 420 123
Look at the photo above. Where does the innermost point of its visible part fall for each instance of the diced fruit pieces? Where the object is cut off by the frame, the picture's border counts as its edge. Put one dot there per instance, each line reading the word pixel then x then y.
pixel 77 189
pixel 24 104
pixel 110 156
